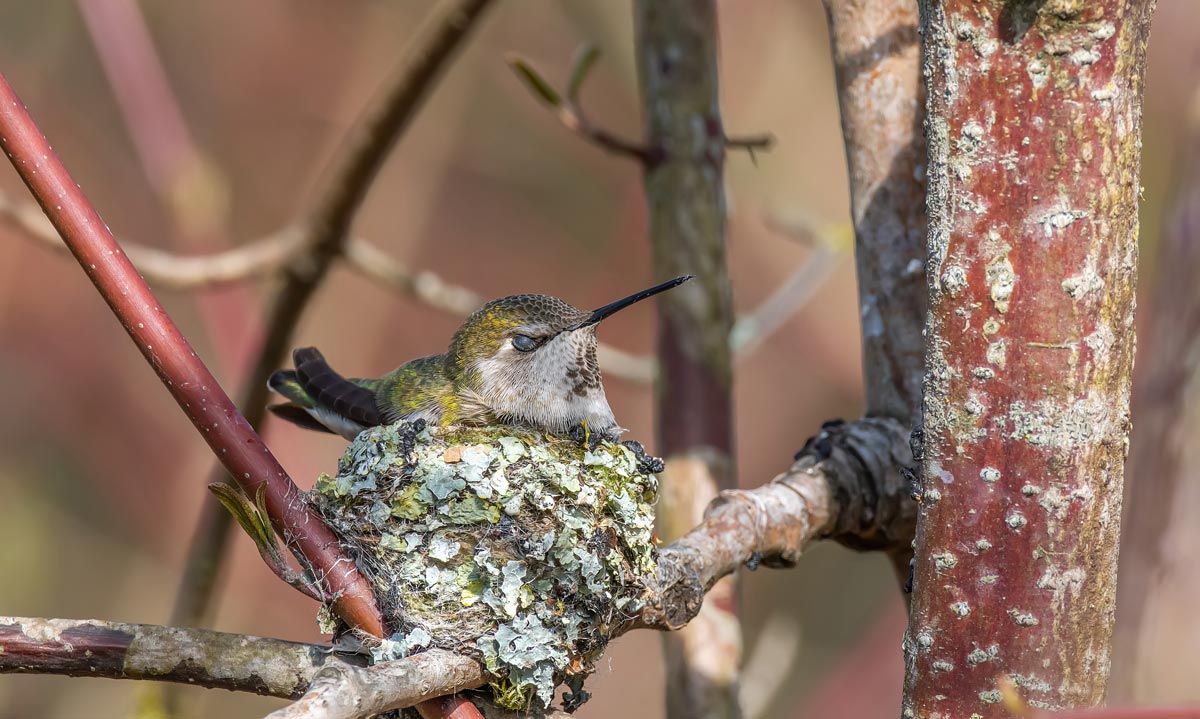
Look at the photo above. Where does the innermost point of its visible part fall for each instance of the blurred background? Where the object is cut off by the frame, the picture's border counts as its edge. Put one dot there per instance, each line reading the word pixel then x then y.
pixel 101 476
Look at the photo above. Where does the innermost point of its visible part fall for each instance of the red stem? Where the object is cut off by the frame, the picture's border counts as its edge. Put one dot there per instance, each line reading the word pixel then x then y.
pixel 231 438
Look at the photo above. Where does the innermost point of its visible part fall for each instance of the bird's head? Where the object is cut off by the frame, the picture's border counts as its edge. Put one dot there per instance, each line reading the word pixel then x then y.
pixel 533 357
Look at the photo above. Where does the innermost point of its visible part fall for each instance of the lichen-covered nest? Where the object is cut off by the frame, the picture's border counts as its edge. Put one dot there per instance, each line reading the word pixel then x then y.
pixel 522 549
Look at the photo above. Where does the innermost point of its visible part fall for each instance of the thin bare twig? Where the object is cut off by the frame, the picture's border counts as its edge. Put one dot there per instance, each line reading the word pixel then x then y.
pixel 567 108
pixel 169 269
pixel 227 432
pixel 265 256
pixel 750 330
pixel 569 111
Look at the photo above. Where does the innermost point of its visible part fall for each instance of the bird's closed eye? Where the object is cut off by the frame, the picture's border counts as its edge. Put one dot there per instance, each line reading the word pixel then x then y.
pixel 525 343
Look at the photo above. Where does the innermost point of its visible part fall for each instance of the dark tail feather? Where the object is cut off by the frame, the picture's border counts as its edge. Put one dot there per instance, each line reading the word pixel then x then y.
pixel 333 391
pixel 297 415
pixel 286 383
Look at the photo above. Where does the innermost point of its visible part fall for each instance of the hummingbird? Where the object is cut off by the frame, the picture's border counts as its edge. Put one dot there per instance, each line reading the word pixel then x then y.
pixel 527 360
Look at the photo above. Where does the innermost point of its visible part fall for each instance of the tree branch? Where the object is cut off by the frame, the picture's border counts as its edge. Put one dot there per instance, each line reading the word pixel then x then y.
pixel 676 51
pixel 200 657
pixel 230 436
pixel 350 692
pixel 570 113
pixel 846 484
pixel 567 108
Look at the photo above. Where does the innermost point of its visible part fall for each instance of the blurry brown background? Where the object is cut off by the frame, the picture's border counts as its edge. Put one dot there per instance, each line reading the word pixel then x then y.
pixel 101 477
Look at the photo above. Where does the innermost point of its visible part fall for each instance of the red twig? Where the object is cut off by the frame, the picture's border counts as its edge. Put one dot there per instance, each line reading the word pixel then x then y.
pixel 232 439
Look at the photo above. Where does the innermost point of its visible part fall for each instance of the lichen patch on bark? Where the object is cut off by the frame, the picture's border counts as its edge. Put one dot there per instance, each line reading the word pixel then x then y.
pixel 1034 139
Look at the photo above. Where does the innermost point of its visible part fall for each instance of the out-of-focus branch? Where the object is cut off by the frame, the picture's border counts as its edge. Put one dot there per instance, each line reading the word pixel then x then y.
pixel 752 329
pixel 423 286
pixel 201 657
pixel 169 269
pixel 265 256
pixel 322 240
pixel 177 170
pixel 675 43
pixel 1168 359
pixel 767 672
pixel 570 113
pixel 214 415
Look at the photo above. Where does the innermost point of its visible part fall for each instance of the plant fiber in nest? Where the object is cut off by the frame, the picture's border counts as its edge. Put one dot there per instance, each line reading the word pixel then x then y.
pixel 522 549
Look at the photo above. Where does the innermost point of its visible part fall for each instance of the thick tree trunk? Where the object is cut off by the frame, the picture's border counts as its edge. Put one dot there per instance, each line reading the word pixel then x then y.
pixel 1034 131
pixel 677 71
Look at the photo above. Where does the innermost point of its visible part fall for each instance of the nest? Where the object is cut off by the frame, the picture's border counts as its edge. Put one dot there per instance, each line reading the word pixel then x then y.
pixel 522 549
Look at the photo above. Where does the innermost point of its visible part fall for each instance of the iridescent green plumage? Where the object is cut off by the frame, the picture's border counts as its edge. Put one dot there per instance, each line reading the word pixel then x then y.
pixel 524 359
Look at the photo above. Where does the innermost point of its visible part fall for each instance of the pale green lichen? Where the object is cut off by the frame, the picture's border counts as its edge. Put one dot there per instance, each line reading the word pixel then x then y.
pixel 523 549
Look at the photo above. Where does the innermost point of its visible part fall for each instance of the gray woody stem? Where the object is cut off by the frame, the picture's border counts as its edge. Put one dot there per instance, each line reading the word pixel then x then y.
pixel 113 650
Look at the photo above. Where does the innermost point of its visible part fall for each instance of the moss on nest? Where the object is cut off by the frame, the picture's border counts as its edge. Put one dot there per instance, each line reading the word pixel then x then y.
pixel 522 549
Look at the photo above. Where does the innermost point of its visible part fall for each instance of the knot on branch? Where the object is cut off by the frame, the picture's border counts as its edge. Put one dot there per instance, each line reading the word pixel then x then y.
pixel 678 591
pixel 864 463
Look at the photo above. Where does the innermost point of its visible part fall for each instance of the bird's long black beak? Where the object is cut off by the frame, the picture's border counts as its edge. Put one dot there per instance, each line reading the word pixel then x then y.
pixel 615 307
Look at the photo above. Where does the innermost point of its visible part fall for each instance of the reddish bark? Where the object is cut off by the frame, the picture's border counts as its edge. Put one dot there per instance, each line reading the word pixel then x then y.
pixel 158 339
pixel 1034 127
